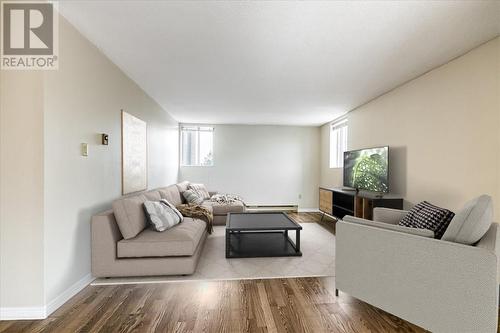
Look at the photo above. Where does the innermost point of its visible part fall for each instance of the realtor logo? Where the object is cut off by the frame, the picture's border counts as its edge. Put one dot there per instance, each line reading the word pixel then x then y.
pixel 29 35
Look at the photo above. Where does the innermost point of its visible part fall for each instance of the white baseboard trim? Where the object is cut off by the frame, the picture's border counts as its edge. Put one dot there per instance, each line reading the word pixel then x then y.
pixel 57 302
pixel 22 313
pixel 42 312
pixel 308 210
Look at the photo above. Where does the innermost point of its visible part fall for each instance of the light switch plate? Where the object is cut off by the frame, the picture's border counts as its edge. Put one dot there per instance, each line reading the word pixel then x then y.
pixel 85 149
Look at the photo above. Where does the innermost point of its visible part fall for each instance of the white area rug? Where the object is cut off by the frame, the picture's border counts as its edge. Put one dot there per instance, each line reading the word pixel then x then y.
pixel 318 259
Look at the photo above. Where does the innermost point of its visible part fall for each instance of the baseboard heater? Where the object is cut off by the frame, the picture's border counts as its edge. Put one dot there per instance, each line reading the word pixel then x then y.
pixel 272 208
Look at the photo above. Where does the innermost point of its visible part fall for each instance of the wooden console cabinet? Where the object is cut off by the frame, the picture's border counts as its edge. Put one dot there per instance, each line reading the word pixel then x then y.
pixel 338 202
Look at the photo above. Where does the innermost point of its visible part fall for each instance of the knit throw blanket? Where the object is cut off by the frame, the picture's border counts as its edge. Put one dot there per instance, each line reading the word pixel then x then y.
pixel 225 199
pixel 198 212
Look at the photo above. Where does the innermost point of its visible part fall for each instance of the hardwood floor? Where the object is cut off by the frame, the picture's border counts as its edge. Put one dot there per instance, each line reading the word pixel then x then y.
pixel 275 305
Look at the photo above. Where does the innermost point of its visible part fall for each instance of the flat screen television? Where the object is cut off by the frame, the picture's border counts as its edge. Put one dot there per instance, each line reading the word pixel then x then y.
pixel 367 169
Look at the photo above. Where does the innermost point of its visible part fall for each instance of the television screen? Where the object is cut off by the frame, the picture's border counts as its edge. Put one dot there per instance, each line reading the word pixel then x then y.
pixel 367 169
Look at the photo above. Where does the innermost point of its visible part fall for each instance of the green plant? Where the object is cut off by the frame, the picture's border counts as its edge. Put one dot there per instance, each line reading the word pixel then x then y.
pixel 369 173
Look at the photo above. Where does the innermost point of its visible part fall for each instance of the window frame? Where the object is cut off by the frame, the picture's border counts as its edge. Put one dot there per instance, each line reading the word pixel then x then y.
pixel 198 128
pixel 337 125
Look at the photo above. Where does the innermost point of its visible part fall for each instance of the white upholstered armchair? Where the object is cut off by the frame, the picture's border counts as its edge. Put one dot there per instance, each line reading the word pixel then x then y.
pixel 442 286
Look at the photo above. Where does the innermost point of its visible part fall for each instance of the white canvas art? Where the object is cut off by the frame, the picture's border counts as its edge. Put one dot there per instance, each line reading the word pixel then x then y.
pixel 134 154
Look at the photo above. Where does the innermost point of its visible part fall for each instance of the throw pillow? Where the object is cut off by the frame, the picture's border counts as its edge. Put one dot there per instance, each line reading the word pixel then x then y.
pixel 427 216
pixel 201 189
pixel 192 197
pixel 472 222
pixel 160 216
pixel 176 211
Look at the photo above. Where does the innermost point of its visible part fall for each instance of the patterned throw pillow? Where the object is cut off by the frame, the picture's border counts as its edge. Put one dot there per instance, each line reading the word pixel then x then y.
pixel 427 216
pixel 192 197
pixel 160 216
pixel 176 211
pixel 201 189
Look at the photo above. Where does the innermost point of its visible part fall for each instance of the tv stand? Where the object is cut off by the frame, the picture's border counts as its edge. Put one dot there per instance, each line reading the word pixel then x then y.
pixel 339 202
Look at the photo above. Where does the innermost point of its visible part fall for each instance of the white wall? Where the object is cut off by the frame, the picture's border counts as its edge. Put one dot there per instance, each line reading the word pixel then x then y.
pixel 83 99
pixel 48 191
pixel 443 130
pixel 263 164
pixel 21 190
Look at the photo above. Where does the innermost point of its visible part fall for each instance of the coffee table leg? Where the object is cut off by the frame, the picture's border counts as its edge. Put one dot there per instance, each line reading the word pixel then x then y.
pixel 297 241
pixel 227 243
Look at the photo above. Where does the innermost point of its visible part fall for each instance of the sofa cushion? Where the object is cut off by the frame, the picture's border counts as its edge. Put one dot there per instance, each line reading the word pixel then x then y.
pixel 129 214
pixel 387 226
pixel 172 194
pixel 153 195
pixel 223 209
pixel 183 186
pixel 427 216
pixel 160 215
pixel 180 240
pixel 472 222
pixel 208 206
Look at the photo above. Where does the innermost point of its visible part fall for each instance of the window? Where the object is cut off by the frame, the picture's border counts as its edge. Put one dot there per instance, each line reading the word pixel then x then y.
pixel 338 143
pixel 197 143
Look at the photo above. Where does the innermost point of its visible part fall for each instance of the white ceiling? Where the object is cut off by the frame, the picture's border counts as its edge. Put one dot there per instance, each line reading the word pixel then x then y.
pixel 290 63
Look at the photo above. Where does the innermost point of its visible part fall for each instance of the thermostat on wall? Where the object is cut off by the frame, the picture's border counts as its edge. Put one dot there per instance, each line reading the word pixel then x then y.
pixel 85 149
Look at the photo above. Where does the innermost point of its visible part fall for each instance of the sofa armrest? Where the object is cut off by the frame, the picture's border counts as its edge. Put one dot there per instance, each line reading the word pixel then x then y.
pixel 491 242
pixel 388 215
pixel 388 226
pixel 105 235
pixel 438 285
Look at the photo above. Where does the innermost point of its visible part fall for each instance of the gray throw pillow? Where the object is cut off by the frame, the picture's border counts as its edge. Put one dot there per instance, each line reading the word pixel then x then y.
pixel 176 211
pixel 192 197
pixel 201 189
pixel 160 215
pixel 472 222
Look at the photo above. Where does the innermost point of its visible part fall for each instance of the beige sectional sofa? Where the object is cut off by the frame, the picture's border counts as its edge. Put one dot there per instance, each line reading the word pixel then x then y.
pixel 219 211
pixel 123 245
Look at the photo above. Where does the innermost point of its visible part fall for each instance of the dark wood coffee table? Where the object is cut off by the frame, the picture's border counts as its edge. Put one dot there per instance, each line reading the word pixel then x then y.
pixel 261 235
